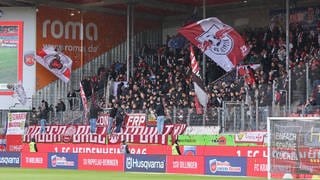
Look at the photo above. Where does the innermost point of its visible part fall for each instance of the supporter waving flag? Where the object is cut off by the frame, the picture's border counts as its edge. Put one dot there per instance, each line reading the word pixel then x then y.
pixel 199 89
pixel 56 62
pixel 218 41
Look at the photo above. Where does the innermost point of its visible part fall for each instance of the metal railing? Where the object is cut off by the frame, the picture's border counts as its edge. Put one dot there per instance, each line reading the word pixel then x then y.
pixel 232 117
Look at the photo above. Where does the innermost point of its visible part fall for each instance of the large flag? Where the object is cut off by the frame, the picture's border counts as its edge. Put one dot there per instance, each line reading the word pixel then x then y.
pixel 218 41
pixel 199 89
pixel 56 62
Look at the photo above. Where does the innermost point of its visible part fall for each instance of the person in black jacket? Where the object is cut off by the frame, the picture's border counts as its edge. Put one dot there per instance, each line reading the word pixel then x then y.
pixel 160 116
pixel 94 112
pixel 111 117
pixel 119 118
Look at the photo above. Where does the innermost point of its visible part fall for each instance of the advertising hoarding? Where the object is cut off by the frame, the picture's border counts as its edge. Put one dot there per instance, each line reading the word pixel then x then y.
pixel 185 164
pixel 62 161
pixel 10 159
pixel 145 163
pixel 112 162
pixel 34 160
pixel 225 166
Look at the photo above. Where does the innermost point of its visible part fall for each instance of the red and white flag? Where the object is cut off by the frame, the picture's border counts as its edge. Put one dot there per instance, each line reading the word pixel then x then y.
pixel 199 88
pixel 56 62
pixel 218 41
pixel 84 102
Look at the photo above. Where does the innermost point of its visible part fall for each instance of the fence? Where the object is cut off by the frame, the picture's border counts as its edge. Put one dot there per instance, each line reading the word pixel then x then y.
pixel 232 117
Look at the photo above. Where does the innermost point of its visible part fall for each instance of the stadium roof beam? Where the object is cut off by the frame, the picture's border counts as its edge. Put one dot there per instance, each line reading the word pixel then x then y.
pixel 66 5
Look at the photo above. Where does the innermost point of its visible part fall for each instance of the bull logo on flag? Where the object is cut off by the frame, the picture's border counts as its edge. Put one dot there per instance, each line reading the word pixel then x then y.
pixel 56 62
pixel 217 40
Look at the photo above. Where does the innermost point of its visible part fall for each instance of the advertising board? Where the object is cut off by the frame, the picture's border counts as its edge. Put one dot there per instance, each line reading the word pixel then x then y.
pixel 185 164
pixel 34 160
pixel 10 159
pixel 62 161
pixel 225 166
pixel 145 163
pixel 110 162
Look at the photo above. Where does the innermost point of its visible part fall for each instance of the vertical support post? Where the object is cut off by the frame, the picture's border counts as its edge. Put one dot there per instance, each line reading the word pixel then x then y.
pixel 287 55
pixel 132 38
pixel 128 41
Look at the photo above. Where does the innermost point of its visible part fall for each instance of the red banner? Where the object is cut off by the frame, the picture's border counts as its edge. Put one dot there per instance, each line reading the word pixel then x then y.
pixel 98 148
pixel 14 143
pixel 238 151
pixel 138 139
pixel 257 167
pixel 111 162
pixel 34 160
pixel 185 164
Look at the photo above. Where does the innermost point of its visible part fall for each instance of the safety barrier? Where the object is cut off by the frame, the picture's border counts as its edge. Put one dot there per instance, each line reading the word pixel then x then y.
pixel 235 161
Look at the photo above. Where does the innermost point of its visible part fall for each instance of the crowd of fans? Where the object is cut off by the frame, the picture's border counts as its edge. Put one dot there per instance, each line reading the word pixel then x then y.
pixel 163 74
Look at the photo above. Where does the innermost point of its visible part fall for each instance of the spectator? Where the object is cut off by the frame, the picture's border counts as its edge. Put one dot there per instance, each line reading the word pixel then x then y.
pixel 94 112
pixel 112 116
pixel 119 118
pixel 33 145
pixel 60 109
pixel 160 115
pixel 124 149
pixel 71 98
pixel 43 116
pixel 176 148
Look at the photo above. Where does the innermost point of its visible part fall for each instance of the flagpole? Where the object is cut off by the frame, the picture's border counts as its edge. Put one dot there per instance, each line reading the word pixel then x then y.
pixel 203 54
pixel 204 63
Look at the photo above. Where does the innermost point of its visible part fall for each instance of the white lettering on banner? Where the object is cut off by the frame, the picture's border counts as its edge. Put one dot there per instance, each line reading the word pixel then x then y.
pixel 58 30
pixel 152 139
pixel 136 163
pixel 185 164
pixel 89 138
pixel 102 119
pixel 98 150
pixel 34 160
pixel 254 153
pixel 101 162
pixel 136 120
pixel 9 160
pixel 260 167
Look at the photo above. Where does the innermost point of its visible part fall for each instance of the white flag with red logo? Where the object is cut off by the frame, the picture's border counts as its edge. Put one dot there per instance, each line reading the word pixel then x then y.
pixel 218 41
pixel 56 62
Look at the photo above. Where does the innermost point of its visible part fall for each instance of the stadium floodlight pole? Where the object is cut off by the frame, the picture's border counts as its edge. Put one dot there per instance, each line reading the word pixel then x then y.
pixel 287 55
